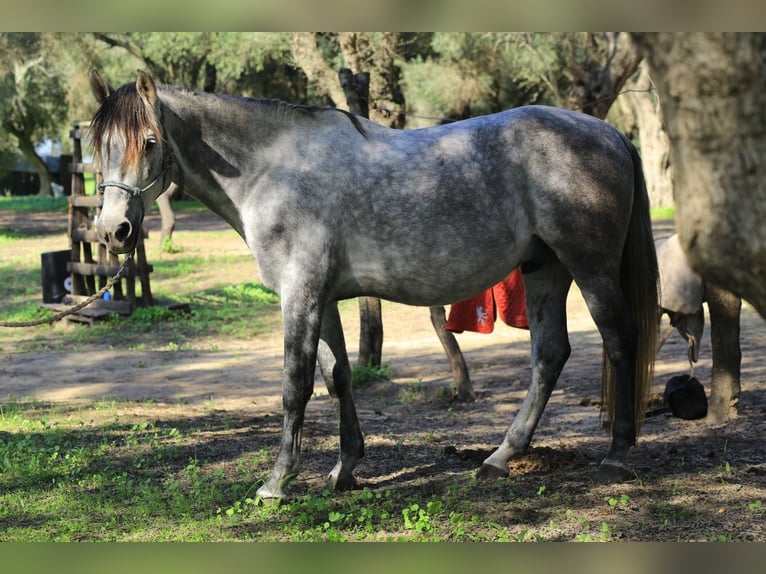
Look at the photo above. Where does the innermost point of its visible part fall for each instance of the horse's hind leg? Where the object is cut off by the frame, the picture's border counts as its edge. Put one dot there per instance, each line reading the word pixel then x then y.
pixel 546 292
pixel 618 330
pixel 333 362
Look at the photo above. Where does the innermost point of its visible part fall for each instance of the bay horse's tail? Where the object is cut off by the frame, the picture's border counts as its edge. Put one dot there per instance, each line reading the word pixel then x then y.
pixel 639 277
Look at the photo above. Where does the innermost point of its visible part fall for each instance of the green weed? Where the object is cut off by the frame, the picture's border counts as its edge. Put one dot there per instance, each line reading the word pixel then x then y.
pixel 410 393
pixel 168 246
pixel 363 375
pixel 621 502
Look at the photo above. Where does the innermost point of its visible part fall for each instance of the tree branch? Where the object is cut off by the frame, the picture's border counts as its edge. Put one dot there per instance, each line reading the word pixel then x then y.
pixel 307 56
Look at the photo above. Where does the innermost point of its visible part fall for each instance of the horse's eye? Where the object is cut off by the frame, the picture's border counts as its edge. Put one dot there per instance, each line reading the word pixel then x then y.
pixel 150 142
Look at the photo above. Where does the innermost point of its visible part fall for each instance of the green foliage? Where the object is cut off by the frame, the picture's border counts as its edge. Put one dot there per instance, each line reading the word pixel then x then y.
pixel 421 519
pixel 33 90
pixel 444 75
pixel 363 375
pixel 466 74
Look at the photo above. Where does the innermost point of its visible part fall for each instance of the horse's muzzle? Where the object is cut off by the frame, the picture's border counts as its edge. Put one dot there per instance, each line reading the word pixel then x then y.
pixel 119 237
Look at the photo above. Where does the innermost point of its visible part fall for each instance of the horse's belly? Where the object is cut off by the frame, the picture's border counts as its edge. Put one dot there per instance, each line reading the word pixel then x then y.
pixel 428 279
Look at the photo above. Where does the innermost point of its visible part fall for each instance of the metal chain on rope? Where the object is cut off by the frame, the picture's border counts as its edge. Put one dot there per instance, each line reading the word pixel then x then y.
pixel 75 308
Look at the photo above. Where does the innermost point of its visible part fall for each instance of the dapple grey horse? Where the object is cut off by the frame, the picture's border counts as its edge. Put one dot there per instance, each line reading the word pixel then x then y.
pixel 334 206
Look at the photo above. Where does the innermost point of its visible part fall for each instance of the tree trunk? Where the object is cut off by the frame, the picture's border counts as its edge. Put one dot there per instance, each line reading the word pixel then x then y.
pixel 387 101
pixel 27 148
pixel 655 147
pixel 713 92
pixel 595 87
pixel 309 59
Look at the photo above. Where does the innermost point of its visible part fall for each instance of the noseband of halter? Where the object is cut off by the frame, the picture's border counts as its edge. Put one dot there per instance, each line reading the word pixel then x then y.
pixel 134 190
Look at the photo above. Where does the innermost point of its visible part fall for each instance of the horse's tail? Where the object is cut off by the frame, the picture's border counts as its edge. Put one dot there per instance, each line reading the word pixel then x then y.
pixel 639 277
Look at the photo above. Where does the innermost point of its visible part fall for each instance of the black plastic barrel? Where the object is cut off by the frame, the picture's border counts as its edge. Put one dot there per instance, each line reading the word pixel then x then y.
pixel 54 275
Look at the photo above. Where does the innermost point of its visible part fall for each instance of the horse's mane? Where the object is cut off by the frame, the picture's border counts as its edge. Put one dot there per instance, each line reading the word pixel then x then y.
pixel 123 112
pixel 287 108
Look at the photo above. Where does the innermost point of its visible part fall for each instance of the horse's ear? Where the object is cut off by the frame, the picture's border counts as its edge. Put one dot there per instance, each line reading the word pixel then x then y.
pixel 100 88
pixel 146 88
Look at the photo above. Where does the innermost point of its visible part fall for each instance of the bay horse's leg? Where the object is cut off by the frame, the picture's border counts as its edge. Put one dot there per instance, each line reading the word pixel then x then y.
pixel 725 309
pixel 546 293
pixel 333 362
pixel 458 366
pixel 302 313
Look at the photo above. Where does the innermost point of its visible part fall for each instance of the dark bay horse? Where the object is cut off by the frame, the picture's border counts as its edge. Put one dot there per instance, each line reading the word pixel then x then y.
pixel 334 206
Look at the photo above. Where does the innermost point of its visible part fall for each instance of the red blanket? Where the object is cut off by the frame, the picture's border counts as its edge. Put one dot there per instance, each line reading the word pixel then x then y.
pixel 479 313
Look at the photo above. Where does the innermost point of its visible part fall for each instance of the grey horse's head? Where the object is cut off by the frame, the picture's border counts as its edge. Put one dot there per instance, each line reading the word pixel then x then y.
pixel 132 155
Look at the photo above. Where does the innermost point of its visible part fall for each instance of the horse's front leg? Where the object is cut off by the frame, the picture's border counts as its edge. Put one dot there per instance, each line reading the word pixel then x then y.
pixel 333 362
pixel 302 319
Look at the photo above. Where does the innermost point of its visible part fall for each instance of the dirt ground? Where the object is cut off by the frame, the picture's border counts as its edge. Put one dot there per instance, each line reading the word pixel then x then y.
pixel 715 473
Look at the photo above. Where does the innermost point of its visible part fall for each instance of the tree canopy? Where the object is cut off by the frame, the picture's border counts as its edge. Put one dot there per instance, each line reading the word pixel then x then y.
pixel 417 79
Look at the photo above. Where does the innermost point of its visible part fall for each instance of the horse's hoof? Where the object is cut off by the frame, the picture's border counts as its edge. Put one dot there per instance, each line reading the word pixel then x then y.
pixel 491 472
pixel 269 494
pixel 342 484
pixel 610 472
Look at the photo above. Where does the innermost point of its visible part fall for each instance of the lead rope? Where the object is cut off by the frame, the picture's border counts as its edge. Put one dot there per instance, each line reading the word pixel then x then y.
pixel 72 310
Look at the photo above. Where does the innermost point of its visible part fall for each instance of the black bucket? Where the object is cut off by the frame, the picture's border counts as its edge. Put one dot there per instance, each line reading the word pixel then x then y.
pixel 55 275
pixel 686 397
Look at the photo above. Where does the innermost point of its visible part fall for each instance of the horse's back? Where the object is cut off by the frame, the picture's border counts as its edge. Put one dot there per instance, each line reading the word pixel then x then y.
pixel 452 209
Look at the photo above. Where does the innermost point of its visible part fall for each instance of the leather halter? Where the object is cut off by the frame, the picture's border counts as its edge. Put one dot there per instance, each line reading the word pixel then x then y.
pixel 134 190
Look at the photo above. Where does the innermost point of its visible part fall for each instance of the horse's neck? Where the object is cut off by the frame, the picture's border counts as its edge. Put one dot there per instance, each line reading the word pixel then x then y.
pixel 213 148
pixel 227 121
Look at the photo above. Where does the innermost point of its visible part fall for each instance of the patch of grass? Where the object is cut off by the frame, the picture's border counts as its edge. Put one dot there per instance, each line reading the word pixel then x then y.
pixel 188 205
pixel 363 375
pixel 47 203
pixel 169 247
pixel 239 311
pixel 410 393
pixel 126 471
pixel 662 212
pixel 33 203
pixel 7 236
pixel 178 266
pixel 251 293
